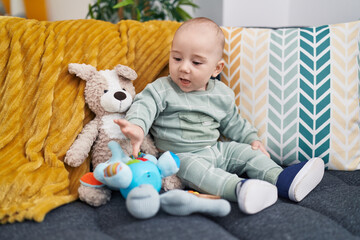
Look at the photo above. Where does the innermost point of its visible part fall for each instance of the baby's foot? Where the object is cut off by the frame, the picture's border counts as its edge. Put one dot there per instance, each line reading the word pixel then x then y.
pixel 298 180
pixel 255 195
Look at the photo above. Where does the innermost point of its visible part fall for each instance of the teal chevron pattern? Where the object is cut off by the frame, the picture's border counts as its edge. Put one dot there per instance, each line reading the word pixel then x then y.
pixel 283 97
pixel 314 112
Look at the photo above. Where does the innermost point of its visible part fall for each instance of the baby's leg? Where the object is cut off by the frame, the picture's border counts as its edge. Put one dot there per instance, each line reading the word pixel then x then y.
pixel 240 158
pixel 216 169
pixel 204 172
pixel 197 170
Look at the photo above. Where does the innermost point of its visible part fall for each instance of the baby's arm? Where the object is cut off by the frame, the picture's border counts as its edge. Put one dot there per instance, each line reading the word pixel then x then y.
pixel 133 132
pixel 243 131
pixel 238 129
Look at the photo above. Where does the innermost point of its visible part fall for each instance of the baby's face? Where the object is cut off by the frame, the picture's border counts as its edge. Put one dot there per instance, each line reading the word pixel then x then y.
pixel 194 58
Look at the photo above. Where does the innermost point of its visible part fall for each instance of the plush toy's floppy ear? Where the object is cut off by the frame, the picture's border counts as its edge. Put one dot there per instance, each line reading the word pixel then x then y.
pixel 82 71
pixel 126 72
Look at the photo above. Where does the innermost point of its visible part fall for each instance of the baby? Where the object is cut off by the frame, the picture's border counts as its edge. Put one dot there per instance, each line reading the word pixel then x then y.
pixel 187 111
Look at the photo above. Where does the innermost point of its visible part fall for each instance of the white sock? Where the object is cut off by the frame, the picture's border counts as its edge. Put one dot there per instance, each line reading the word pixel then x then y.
pixel 255 195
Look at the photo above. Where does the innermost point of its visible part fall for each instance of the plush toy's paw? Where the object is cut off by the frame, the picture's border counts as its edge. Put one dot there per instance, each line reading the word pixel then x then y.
pixel 143 202
pixel 94 196
pixel 69 160
pixel 73 157
pixel 172 182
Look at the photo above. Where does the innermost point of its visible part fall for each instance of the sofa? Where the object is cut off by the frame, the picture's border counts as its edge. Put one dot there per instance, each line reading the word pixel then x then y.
pixel 42 111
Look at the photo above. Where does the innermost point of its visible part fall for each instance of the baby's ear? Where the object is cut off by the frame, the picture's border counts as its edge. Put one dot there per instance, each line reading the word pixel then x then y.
pixel 126 72
pixel 219 67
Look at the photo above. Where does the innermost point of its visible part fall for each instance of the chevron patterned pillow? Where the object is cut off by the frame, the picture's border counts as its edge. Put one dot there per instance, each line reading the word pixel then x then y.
pixel 300 88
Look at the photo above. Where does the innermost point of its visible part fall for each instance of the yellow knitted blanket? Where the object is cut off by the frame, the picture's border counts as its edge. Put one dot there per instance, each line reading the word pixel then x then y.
pixel 42 108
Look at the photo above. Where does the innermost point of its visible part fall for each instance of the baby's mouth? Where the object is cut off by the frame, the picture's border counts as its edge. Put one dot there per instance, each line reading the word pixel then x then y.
pixel 184 81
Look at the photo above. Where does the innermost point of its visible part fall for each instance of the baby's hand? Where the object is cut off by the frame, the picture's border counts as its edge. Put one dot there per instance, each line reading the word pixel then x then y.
pixel 258 145
pixel 133 132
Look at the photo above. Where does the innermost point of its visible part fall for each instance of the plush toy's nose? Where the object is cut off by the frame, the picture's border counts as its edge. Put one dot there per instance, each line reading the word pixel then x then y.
pixel 120 96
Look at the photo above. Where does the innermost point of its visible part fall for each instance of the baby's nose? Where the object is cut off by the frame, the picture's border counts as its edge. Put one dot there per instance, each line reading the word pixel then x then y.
pixel 184 67
pixel 120 96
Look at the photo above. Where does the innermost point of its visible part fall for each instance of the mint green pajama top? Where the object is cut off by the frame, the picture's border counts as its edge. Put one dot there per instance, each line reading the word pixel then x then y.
pixel 184 122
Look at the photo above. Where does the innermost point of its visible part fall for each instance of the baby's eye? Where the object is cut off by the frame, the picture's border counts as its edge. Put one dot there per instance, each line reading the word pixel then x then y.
pixel 177 59
pixel 196 63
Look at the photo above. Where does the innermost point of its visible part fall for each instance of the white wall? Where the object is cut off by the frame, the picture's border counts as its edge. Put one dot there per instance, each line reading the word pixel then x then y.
pixel 67 9
pixel 256 13
pixel 208 8
pixel 324 11
pixel 278 13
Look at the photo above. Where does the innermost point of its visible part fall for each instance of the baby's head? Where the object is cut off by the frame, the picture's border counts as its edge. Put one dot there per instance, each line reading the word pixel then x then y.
pixel 196 54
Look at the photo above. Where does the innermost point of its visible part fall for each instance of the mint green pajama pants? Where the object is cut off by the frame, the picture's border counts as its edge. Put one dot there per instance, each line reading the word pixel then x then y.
pixel 216 170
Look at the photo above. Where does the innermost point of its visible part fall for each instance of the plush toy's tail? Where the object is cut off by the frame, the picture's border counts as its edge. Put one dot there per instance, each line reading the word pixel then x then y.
pixel 182 203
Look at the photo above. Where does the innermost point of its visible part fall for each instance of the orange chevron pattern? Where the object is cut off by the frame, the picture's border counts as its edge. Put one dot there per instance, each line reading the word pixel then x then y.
pixel 245 58
pixel 231 56
pixel 346 136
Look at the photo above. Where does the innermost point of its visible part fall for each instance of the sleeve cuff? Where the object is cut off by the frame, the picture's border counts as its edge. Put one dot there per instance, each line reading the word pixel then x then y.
pixel 252 137
pixel 139 123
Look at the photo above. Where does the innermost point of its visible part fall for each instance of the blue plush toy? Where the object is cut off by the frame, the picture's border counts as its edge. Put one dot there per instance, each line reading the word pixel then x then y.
pixel 123 173
pixel 139 181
